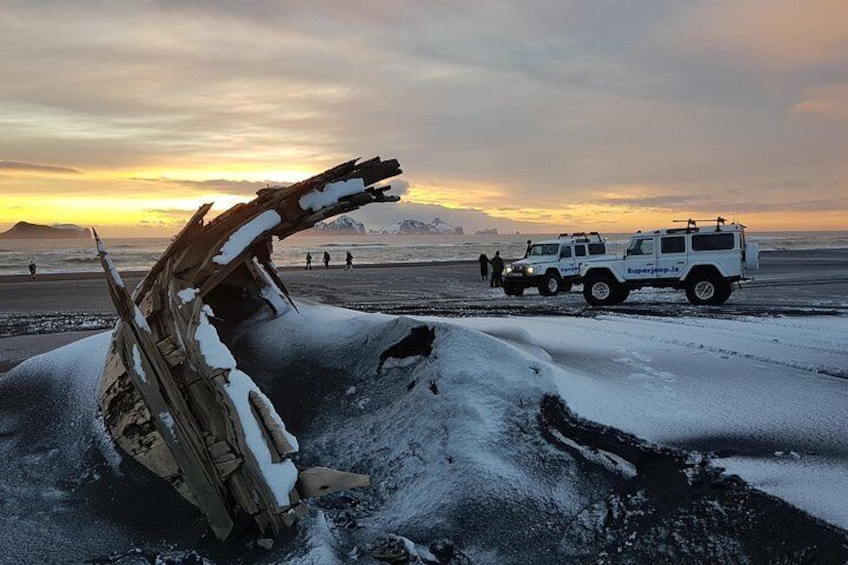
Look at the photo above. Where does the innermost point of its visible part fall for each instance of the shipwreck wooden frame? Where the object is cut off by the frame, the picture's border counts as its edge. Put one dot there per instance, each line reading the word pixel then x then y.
pixel 171 394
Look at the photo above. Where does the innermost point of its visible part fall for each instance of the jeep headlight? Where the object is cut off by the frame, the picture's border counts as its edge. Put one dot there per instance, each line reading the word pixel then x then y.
pixel 530 270
pixel 508 269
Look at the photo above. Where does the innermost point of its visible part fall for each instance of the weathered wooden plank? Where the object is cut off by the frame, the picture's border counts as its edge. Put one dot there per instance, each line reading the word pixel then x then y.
pixel 181 240
pixel 149 373
pixel 279 445
pixel 319 481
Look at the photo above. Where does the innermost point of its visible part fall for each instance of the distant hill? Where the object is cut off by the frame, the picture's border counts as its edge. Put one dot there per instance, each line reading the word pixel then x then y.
pixel 25 230
pixel 341 225
pixel 408 227
pixel 489 231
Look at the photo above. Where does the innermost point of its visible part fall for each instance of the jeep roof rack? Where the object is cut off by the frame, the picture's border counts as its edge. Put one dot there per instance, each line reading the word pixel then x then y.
pixel 692 225
pixel 582 236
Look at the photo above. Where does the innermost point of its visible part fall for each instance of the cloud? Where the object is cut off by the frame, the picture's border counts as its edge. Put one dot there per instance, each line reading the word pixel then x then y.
pixel 36 168
pixel 777 35
pixel 400 187
pixel 224 186
pixel 518 110
pixel 827 101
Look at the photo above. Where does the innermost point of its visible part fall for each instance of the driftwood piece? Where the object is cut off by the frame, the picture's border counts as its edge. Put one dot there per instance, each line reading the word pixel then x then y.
pixel 172 394
pixel 319 481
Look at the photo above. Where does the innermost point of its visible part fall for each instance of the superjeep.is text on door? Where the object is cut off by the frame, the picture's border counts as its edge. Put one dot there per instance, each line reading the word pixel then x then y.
pixel 703 261
pixel 553 265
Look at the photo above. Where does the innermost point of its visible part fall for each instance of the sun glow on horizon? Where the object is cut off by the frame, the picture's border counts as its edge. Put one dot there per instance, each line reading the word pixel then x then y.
pixel 158 202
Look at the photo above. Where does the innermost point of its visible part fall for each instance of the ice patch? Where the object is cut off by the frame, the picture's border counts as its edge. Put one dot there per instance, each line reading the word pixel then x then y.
pixel 187 294
pixel 282 476
pixel 137 366
pixel 245 235
pixel 316 199
pixel 140 321
pixel 168 420
pixel 214 352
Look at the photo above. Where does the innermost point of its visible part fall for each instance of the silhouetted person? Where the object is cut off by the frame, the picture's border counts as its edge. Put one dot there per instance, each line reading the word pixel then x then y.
pixel 484 266
pixel 497 269
pixel 529 245
pixel 326 260
pixel 308 261
pixel 32 269
pixel 348 262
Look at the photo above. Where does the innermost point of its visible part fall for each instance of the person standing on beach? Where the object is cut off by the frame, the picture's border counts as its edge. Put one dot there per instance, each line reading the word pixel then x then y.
pixel 484 266
pixel 348 262
pixel 529 245
pixel 308 261
pixel 497 269
pixel 32 268
pixel 326 260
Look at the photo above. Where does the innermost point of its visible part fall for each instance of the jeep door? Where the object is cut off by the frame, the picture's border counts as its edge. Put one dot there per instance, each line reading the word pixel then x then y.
pixel 671 259
pixel 567 262
pixel 640 261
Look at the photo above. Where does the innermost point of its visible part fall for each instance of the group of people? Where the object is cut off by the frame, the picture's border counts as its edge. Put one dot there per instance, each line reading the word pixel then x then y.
pixel 497 266
pixel 348 261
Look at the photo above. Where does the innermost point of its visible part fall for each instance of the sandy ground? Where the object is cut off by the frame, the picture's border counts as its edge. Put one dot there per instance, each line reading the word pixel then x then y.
pixel 37 316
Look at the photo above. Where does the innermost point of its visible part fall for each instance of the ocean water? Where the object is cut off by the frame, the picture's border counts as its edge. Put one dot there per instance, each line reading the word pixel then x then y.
pixel 74 255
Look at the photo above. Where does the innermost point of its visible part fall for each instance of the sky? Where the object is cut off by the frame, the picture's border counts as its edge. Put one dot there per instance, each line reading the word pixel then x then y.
pixel 539 116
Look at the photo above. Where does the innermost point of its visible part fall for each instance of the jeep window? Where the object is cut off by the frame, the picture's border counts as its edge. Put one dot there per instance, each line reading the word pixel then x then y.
pixel 712 241
pixel 579 250
pixel 676 244
pixel 565 252
pixel 543 249
pixel 640 247
pixel 597 249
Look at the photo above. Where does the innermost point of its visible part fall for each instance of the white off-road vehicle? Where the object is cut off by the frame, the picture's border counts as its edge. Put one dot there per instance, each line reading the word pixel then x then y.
pixel 553 265
pixel 703 261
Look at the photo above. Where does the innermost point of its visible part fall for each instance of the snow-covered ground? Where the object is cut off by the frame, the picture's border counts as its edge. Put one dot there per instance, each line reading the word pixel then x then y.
pixel 444 414
pixel 768 395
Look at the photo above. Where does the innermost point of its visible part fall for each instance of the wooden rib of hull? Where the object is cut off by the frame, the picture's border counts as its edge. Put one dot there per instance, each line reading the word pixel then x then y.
pixel 172 396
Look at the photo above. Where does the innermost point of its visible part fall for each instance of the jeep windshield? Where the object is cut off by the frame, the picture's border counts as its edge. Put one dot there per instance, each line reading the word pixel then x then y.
pixel 543 249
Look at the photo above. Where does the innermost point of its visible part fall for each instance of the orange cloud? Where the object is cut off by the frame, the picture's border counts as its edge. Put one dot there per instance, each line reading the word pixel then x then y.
pixel 779 34
pixel 831 100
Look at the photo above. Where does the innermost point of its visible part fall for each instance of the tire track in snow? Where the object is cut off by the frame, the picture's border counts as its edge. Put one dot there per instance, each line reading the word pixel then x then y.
pixel 836 347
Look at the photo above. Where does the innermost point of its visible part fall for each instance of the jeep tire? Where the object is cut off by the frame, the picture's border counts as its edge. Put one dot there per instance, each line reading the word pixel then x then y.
pixel 707 288
pixel 512 289
pixel 623 293
pixel 601 289
pixel 549 284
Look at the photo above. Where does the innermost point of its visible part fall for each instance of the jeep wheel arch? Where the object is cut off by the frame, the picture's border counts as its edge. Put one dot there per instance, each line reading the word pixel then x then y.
pixel 600 288
pixel 549 283
pixel 705 286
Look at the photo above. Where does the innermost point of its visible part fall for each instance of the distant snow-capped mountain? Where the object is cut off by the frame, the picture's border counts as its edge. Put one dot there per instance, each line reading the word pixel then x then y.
pixel 342 224
pixel 406 227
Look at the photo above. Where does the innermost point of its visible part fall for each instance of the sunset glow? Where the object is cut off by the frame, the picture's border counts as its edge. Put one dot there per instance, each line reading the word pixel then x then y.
pixel 572 115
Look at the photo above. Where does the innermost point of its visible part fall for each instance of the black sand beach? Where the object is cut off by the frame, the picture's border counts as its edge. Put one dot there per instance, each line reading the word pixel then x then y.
pixel 37 316
pixel 646 515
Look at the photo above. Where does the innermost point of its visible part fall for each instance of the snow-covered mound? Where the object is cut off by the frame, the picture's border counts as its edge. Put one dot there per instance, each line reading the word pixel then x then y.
pixel 341 225
pixel 417 227
pixel 475 439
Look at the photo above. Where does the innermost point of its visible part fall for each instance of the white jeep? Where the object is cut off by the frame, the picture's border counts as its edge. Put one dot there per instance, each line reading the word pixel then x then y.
pixel 553 265
pixel 703 261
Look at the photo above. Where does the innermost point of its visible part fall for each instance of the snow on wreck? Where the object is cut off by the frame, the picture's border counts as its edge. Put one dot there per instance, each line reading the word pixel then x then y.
pixel 172 395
